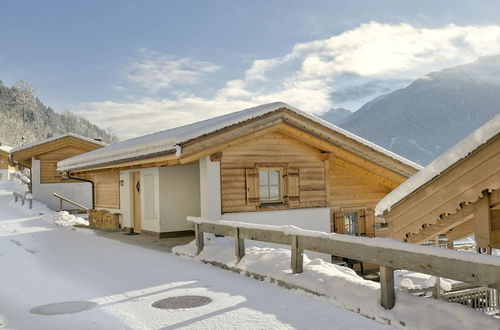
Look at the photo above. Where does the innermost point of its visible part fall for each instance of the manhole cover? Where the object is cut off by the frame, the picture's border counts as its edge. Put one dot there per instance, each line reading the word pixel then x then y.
pixel 182 302
pixel 68 307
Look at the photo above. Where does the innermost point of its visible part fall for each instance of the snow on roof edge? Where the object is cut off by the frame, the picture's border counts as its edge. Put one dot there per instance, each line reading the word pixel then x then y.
pixel 167 139
pixel 456 153
pixel 5 148
pixel 57 137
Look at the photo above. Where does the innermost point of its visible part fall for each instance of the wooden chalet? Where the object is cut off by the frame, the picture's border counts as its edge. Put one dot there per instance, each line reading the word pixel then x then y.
pixel 6 166
pixel 456 196
pixel 41 158
pixel 271 164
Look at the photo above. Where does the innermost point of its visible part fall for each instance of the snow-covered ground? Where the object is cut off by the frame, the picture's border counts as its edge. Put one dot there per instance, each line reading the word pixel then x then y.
pixel 42 262
pixel 344 288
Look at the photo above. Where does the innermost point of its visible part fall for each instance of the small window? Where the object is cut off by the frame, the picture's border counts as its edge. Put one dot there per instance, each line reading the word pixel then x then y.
pixel 270 185
pixel 351 223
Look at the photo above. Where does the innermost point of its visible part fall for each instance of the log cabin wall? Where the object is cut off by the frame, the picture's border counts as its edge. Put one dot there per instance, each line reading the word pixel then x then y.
pixel 272 150
pixel 107 189
pixel 4 161
pixel 48 163
pixel 322 180
pixel 351 192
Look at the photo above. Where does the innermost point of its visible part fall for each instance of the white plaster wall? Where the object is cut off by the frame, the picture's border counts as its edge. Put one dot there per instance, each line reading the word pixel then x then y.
pixel 210 191
pixel 43 192
pixel 179 196
pixel 4 175
pixel 308 218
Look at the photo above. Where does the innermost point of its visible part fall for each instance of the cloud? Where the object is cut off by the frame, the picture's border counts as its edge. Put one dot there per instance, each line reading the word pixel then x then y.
pixel 156 72
pixel 345 70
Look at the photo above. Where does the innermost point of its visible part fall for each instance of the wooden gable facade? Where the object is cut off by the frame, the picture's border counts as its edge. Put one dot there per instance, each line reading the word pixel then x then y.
pixel 5 161
pixel 49 153
pixel 463 200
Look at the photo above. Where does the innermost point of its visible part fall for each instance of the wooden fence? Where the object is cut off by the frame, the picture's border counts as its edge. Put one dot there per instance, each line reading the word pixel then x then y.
pixel 23 198
pixel 480 270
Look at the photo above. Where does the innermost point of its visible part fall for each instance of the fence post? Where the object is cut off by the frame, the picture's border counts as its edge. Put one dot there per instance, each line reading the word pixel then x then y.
pixel 387 287
pixel 199 238
pixel 22 200
pixel 15 197
pixel 239 245
pixel 60 204
pixel 297 256
pixel 30 203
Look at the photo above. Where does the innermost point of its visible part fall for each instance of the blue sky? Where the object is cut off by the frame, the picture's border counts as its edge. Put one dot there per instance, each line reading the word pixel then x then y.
pixel 143 66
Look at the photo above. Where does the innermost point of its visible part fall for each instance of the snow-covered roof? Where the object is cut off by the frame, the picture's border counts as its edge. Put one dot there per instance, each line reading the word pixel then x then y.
pixel 57 137
pixel 5 148
pixel 171 139
pixel 461 150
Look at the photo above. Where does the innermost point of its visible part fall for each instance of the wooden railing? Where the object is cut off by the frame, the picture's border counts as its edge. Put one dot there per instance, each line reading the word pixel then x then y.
pixel 23 198
pixel 480 270
pixel 64 199
pixel 483 299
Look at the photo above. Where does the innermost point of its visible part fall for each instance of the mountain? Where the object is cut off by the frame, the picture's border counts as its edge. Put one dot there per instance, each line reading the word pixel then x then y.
pixel 336 116
pixel 425 119
pixel 24 119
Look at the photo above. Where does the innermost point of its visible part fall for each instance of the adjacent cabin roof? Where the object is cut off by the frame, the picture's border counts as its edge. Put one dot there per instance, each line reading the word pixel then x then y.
pixel 462 150
pixel 5 149
pixel 172 141
pixel 24 153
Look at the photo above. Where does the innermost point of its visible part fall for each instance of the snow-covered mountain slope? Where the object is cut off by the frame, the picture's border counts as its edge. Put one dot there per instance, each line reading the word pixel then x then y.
pixel 336 116
pixel 433 113
pixel 25 119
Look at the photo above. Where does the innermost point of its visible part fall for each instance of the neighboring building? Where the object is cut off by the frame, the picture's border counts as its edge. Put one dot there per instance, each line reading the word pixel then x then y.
pixel 6 167
pixel 41 158
pixel 456 195
pixel 270 164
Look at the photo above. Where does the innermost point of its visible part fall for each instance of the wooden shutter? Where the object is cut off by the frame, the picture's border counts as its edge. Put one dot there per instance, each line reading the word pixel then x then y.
pixel 362 223
pixel 293 184
pixel 370 222
pixel 339 222
pixel 252 183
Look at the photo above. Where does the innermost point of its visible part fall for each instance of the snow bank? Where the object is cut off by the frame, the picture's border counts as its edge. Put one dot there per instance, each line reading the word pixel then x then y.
pixel 341 286
pixel 170 139
pixel 440 164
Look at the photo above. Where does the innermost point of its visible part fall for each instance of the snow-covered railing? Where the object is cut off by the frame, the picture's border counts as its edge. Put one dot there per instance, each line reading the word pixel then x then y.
pixel 23 198
pixel 64 199
pixel 476 269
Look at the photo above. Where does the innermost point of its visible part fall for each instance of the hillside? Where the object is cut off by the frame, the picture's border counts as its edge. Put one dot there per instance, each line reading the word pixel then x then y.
pixel 336 116
pixel 24 119
pixel 433 113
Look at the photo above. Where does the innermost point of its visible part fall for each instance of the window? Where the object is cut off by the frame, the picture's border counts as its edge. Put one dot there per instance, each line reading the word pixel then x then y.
pixel 269 185
pixel 351 223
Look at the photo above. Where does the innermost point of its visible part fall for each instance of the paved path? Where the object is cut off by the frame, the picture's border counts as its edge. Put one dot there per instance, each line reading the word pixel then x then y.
pixel 42 264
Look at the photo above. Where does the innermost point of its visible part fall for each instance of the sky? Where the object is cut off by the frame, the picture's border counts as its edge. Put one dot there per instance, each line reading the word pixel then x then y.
pixel 142 66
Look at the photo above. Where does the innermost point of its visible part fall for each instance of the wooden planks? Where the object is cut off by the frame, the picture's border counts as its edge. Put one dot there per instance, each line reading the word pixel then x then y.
pixel 107 189
pixel 304 162
pixel 48 163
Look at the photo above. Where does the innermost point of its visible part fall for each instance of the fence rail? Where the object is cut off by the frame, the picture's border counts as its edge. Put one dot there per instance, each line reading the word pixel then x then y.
pixel 478 270
pixel 23 198
pixel 64 199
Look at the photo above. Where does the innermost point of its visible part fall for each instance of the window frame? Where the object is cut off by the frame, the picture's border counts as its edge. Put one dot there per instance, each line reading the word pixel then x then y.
pixel 351 225
pixel 281 185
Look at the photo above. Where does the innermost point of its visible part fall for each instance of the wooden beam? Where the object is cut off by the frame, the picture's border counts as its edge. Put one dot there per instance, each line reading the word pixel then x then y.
pixel 443 226
pixel 216 157
pixel 297 263
pixel 461 231
pixel 199 237
pixel 388 298
pixel 239 245
pixel 168 160
pixel 482 221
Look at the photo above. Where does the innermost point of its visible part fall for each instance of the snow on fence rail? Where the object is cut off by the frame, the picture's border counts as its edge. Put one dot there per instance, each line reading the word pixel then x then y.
pixel 481 270
pixel 23 198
